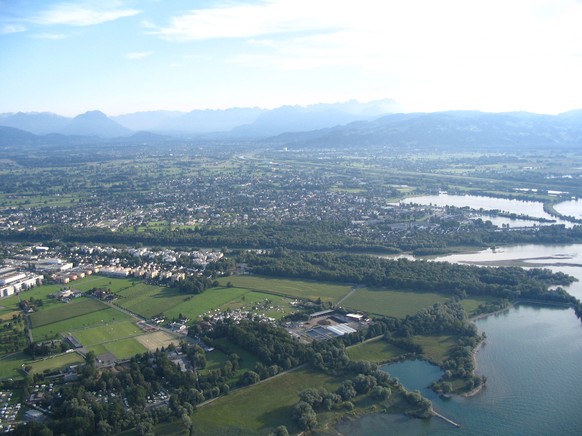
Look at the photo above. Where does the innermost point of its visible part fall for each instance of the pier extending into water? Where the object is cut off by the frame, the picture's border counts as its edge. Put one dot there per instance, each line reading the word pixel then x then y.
pixel 444 418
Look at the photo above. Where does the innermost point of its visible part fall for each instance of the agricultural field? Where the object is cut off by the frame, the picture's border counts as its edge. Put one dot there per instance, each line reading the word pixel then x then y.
pixel 397 304
pixel 38 293
pixel 108 332
pixel 264 405
pixel 62 311
pixel 377 351
pixel 292 288
pixel 148 300
pixel 97 281
pixel 101 317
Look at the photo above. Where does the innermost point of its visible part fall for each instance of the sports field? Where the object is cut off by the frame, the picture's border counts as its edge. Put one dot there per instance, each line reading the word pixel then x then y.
pixel 156 340
pixel 118 349
pixel 107 333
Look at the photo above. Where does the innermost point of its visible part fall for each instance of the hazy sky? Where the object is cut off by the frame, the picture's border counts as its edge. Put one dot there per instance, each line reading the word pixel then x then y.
pixel 122 56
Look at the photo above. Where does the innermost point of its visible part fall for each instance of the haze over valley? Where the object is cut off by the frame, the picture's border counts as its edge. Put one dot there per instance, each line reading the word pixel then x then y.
pixel 282 217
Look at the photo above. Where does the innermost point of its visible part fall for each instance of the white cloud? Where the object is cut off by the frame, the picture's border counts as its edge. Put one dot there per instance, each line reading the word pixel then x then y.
pixel 136 55
pixel 379 34
pixel 245 20
pixel 51 36
pixel 12 28
pixel 75 14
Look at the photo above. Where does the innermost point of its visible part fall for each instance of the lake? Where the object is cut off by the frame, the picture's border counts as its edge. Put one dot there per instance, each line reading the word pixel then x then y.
pixel 531 359
pixel 570 208
pixel 478 202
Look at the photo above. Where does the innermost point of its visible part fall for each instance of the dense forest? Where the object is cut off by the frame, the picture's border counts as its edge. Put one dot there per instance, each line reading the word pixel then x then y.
pixel 305 235
pixel 453 279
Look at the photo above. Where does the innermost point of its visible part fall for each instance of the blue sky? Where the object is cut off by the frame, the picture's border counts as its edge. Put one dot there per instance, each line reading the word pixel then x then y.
pixel 123 56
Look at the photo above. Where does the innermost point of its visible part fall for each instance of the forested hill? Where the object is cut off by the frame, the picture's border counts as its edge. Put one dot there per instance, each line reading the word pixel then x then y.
pixel 442 277
pixel 450 130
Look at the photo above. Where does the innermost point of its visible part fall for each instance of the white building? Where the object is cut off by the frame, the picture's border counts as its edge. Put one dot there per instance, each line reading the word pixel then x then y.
pixel 17 282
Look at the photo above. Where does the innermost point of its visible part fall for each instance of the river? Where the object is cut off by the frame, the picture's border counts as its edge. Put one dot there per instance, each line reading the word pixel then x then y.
pixel 479 202
pixel 570 208
pixel 531 359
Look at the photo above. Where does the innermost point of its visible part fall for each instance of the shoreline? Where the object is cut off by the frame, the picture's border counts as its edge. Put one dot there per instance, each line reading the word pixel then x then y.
pixel 497 312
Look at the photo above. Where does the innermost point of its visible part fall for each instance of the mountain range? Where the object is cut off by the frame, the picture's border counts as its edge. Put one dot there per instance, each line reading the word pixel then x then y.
pixel 247 122
pixel 350 124
pixel 468 130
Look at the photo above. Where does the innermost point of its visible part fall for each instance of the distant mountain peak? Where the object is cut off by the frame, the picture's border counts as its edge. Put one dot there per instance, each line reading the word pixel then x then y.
pixel 39 123
pixel 95 123
pixel 92 114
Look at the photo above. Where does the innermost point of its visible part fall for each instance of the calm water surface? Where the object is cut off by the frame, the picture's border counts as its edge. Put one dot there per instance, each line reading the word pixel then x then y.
pixel 477 202
pixel 570 208
pixel 532 359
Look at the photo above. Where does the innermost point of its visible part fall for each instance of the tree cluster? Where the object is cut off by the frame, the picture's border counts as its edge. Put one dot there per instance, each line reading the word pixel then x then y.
pixel 196 285
pixel 443 277
pixel 369 380
pixel 271 344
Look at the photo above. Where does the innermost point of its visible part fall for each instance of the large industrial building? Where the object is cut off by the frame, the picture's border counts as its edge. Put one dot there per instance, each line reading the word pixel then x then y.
pixel 12 282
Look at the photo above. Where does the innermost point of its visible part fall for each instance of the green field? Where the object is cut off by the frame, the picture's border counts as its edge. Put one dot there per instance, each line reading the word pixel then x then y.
pixel 11 365
pixel 293 288
pixel 97 281
pixel 57 362
pixel 377 351
pixel 397 304
pixel 435 348
pixel 88 320
pixel 62 311
pixel 148 300
pixel 265 405
pixel 38 293
pixel 108 332
pixel 121 349
pixel 471 303
pixel 194 306
pixel 217 358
